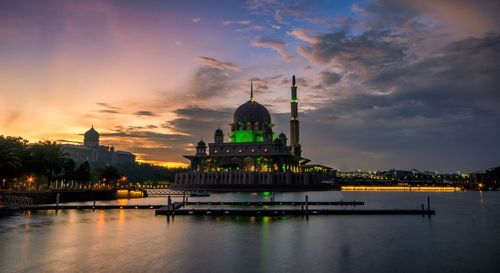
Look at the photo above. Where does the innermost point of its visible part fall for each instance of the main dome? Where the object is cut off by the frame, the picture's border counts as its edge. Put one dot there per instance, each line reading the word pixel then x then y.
pixel 251 111
pixel 91 134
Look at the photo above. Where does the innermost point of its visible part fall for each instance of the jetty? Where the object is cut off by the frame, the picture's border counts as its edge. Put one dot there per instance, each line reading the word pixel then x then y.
pixel 248 208
pixel 274 208
pixel 174 193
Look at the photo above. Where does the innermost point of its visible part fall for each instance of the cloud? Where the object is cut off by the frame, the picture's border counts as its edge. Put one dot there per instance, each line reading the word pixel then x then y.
pixel 196 20
pixel 200 122
pixel 427 113
pixel 302 35
pixel 133 128
pixel 212 62
pixel 329 77
pixel 237 22
pixel 286 12
pixel 149 145
pixel 108 106
pixel 459 16
pixel 250 28
pixel 370 50
pixel 109 111
pixel 264 83
pixel 145 113
pixel 209 82
pixel 274 44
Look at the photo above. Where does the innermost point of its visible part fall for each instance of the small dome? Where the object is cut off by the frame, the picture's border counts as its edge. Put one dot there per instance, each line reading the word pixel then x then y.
pixel 201 144
pixel 251 111
pixel 219 132
pixel 91 134
pixel 282 135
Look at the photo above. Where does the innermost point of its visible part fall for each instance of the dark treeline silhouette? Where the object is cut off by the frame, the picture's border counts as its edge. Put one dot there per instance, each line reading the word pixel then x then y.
pixel 20 161
pixel 44 163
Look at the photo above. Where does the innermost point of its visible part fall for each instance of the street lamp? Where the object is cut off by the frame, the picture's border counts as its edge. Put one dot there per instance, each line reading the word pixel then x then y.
pixel 30 181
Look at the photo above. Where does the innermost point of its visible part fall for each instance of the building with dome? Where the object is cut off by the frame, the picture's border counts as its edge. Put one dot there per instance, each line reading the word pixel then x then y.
pixel 93 152
pixel 253 155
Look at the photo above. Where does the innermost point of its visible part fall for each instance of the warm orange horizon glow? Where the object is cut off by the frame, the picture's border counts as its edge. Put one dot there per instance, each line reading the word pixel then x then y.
pixel 166 164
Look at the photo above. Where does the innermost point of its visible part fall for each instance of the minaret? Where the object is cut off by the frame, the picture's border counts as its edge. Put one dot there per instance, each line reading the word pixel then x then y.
pixel 251 90
pixel 294 121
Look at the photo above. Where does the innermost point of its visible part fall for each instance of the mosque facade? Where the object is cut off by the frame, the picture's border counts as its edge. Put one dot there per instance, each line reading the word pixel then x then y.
pixel 253 154
pixel 93 152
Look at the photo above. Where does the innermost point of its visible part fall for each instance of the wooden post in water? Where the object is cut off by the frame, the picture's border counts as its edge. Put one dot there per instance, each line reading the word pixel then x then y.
pixel 57 200
pixel 429 205
pixel 184 198
pixel 169 202
pixel 307 204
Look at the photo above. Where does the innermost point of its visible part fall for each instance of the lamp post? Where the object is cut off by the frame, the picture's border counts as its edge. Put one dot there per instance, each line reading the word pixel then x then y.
pixel 30 180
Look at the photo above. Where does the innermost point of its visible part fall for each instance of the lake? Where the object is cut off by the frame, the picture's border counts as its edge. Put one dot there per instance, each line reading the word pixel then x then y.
pixel 463 236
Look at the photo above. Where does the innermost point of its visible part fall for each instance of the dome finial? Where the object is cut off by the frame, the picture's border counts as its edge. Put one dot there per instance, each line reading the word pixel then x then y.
pixel 293 80
pixel 251 90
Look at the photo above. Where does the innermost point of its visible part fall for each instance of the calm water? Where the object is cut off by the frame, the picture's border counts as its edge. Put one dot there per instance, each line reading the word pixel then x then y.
pixel 464 236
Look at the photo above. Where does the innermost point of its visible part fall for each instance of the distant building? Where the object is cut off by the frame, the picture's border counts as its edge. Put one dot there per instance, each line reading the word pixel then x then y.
pixel 488 179
pixel 92 152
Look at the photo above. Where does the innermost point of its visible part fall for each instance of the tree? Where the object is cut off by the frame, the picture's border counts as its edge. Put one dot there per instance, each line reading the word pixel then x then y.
pixel 68 167
pixel 110 174
pixel 82 173
pixel 12 154
pixel 46 158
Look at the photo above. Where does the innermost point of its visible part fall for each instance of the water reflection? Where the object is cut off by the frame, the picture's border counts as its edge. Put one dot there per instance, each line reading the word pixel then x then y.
pixel 136 240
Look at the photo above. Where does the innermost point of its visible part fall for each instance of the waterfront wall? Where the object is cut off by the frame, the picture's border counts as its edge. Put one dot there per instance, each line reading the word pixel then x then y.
pixel 68 196
pixel 249 179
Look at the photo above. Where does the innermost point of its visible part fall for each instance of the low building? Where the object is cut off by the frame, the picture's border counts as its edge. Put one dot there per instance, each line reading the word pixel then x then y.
pixel 486 180
pixel 93 152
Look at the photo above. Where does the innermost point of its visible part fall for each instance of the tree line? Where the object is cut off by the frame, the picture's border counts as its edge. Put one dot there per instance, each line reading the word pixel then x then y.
pixel 20 161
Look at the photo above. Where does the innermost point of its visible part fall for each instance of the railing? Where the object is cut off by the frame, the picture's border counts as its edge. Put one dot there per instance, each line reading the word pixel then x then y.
pixel 13 201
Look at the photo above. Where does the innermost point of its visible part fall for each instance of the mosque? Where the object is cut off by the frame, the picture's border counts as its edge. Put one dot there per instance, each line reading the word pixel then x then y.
pixel 93 152
pixel 253 157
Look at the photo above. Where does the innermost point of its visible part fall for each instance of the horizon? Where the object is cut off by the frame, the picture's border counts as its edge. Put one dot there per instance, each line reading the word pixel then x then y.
pixel 381 84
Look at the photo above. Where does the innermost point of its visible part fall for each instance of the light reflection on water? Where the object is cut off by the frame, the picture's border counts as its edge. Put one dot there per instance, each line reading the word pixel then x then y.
pixel 462 237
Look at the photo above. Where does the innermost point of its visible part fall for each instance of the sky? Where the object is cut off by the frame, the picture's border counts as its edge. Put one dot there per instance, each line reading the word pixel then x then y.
pixel 382 84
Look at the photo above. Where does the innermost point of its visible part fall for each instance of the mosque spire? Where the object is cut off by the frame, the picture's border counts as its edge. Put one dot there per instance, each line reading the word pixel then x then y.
pixel 251 90
pixel 294 121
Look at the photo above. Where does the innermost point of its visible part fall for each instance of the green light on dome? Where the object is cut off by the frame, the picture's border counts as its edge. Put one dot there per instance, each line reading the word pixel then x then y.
pixel 247 136
pixel 294 101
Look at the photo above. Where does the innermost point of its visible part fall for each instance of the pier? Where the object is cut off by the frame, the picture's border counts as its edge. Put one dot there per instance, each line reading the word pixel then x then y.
pixel 248 208
pixel 174 193
pixel 277 212
pixel 273 208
